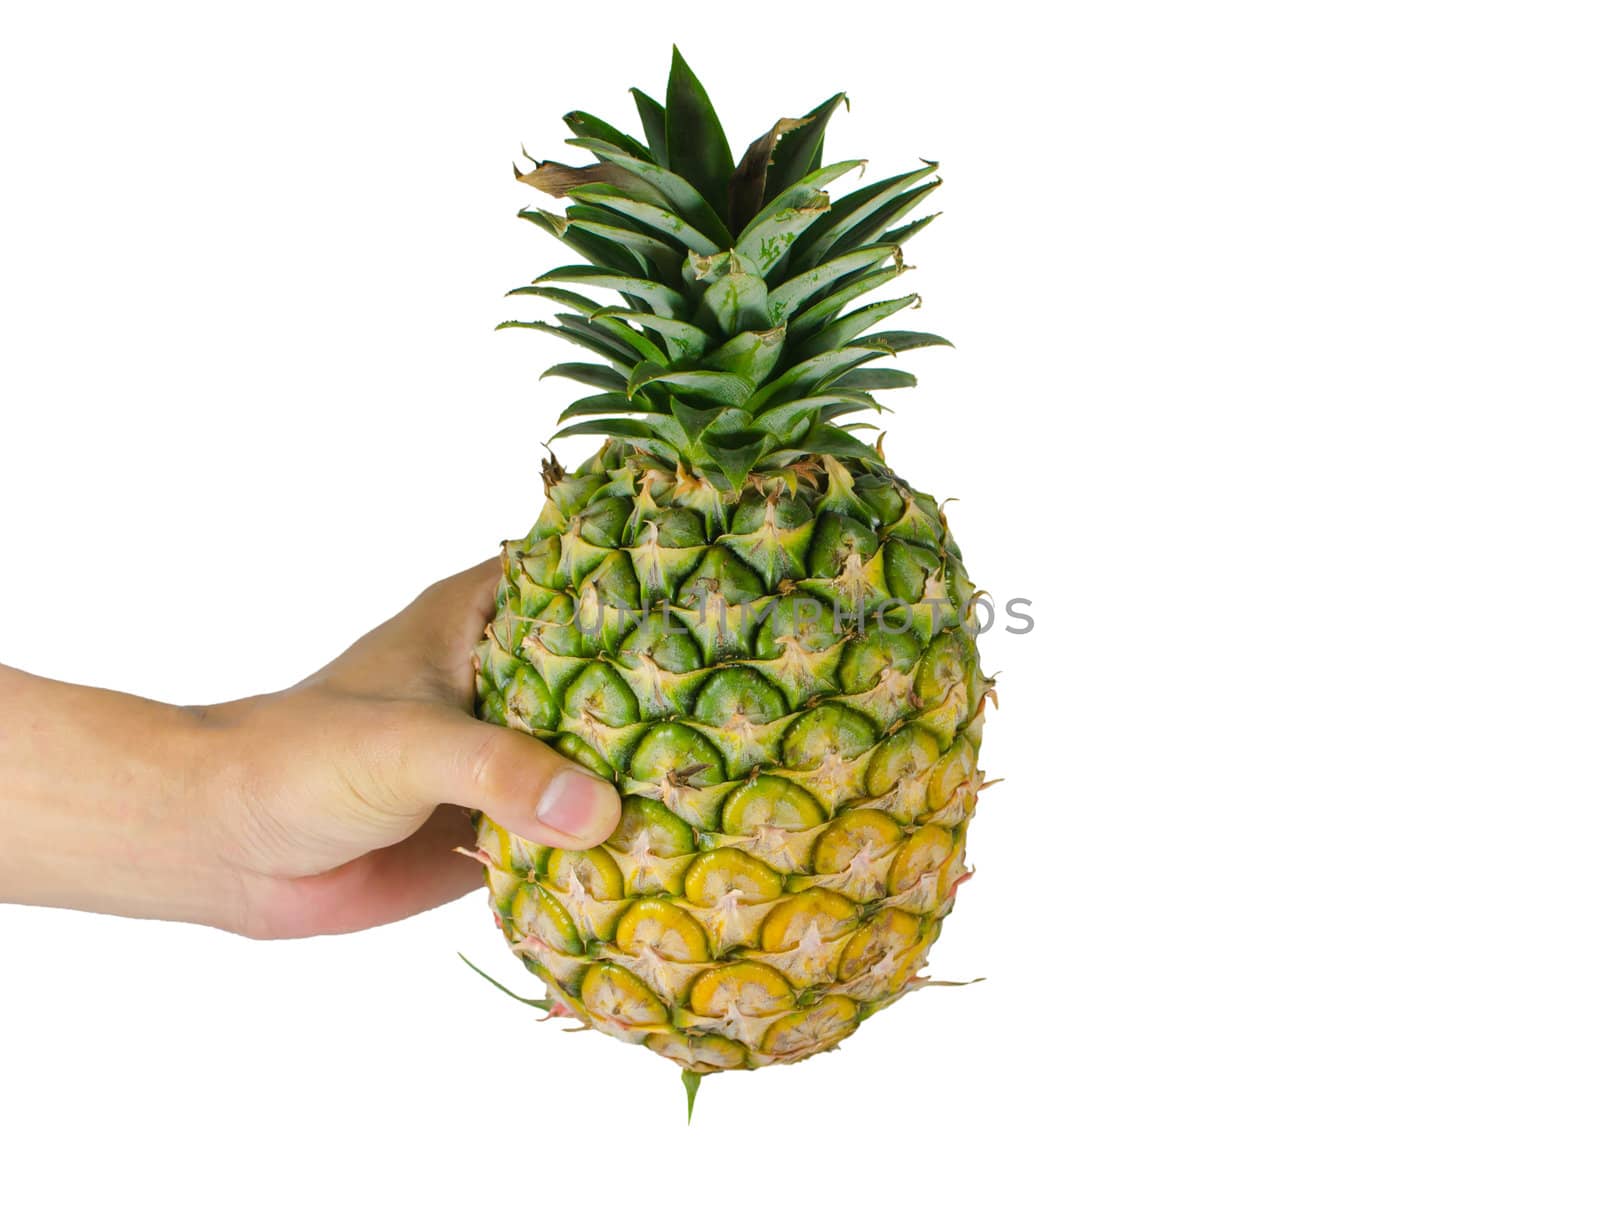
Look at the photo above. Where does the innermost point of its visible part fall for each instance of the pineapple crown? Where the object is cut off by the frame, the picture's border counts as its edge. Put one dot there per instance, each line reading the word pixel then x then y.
pixel 732 351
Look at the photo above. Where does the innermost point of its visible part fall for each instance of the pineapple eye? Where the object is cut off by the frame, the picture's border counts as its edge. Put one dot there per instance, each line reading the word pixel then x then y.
pixel 806 1032
pixel 928 849
pixel 738 693
pixel 884 947
pixel 866 659
pixel 602 522
pixel 828 732
pixel 612 992
pixel 909 570
pixel 659 926
pixel 815 914
pixel 529 701
pixel 836 541
pixel 770 802
pixel 540 918
pixel 859 836
pixel 907 753
pixel 701 1054
pixel 647 826
pixel 670 750
pixel 725 872
pixel 584 872
pixel 746 988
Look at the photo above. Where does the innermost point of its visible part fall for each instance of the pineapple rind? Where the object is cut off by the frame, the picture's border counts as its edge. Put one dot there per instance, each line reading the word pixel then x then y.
pixel 784 685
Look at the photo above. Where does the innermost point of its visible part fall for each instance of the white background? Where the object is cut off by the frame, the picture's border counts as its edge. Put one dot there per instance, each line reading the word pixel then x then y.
pixel 1275 392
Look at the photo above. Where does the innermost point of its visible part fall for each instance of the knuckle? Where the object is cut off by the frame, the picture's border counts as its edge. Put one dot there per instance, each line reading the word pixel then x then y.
pixel 486 765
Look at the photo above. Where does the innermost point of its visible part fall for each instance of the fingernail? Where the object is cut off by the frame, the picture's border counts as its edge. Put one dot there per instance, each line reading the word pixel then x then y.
pixel 580 805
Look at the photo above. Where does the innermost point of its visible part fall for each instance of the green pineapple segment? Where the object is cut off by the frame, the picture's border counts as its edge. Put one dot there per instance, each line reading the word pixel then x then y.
pixel 734 611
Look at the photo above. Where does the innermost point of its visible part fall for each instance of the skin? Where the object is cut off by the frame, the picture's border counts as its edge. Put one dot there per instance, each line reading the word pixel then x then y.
pixel 330 807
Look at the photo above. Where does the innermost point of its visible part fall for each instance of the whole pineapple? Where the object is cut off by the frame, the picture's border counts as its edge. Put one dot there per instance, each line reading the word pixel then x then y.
pixel 734 610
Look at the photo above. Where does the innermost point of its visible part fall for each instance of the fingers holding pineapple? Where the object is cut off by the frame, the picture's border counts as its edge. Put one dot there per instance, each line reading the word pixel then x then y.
pixel 424 651
pixel 340 799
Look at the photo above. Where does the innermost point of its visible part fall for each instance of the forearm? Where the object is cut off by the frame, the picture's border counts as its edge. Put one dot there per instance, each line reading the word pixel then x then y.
pixel 99 807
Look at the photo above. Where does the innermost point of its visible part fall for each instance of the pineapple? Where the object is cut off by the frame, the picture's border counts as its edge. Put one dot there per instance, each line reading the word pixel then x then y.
pixel 735 611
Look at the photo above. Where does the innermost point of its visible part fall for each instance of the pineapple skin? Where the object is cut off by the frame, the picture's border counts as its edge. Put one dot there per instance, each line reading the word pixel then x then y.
pixel 784 686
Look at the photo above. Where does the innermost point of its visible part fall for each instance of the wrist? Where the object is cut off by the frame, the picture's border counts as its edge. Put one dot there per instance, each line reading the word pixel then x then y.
pixel 104 805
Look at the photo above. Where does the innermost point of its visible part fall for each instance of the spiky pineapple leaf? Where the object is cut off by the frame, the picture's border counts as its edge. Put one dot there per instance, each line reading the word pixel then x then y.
pixel 595 249
pixel 554 178
pixel 872 380
pixel 641 344
pixel 736 455
pixel 872 227
pixel 748 187
pixel 808 375
pixel 608 401
pixel 820 312
pixel 684 340
pixel 691 1088
pixel 697 149
pixel 767 241
pixel 582 123
pixel 661 220
pixel 899 237
pixel 542 1004
pixel 787 297
pixel 750 354
pixel 858 207
pixel 735 298
pixel 654 118
pixel 789 422
pixel 662 298
pixel 717 385
pixel 807 193
pixel 714 330
pixel 600 345
pixel 844 329
pixel 830 439
pixel 662 259
pixel 799 152
pixel 901 341
pixel 641 435
pixel 680 193
pixel 859 402
pixel 576 301
pixel 602 377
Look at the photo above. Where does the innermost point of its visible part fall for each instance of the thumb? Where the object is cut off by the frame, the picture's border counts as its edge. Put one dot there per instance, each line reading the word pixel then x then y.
pixel 513 778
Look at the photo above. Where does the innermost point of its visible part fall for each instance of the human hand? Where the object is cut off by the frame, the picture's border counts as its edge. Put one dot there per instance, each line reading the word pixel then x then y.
pixel 329 807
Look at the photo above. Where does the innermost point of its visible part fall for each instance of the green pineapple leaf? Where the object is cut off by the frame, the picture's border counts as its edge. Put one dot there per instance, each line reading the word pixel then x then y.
pixel 654 118
pixel 565 297
pixel 662 299
pixel 799 152
pixel 748 187
pixel 691 1088
pixel 652 216
pixel 601 345
pixel 602 377
pixel 697 149
pixel 787 297
pixel 716 385
pixel 684 340
pixel 582 123
pixel 542 1004
pixel 873 380
pixel 857 208
pixel 680 194
pixel 599 405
